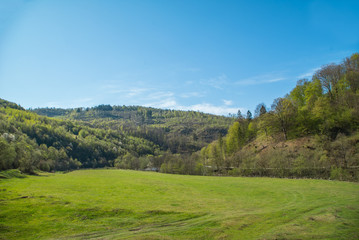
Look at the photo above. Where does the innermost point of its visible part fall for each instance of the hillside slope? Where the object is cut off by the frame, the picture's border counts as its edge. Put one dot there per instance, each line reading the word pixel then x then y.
pixel 29 141
pixel 105 137
pixel 311 132
pixel 177 131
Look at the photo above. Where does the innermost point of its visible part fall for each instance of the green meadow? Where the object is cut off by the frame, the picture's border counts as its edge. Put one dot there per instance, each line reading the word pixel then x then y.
pixel 119 204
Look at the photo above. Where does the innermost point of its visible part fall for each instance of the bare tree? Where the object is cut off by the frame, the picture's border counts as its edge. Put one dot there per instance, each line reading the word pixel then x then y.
pixel 329 76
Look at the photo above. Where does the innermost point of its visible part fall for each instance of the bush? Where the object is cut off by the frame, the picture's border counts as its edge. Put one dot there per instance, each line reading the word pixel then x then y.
pixel 339 174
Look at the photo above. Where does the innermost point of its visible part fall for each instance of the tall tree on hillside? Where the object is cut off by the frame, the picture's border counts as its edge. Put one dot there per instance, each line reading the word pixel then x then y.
pixel 312 92
pixel 7 154
pixel 297 95
pixel 239 115
pixel 265 124
pixel 329 77
pixel 352 71
pixel 260 110
pixel 284 111
pixel 234 138
pixel 249 116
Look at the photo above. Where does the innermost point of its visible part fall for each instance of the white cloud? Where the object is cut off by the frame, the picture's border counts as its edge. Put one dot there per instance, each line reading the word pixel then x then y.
pixel 227 102
pixel 74 103
pixel 309 73
pixel 160 95
pixel 168 103
pixel 216 82
pixel 261 79
pixel 167 100
pixel 83 100
pixel 160 100
pixel 273 80
pixel 136 91
pixel 171 103
pixel 54 105
pixel 209 108
pixel 192 94
pixel 131 92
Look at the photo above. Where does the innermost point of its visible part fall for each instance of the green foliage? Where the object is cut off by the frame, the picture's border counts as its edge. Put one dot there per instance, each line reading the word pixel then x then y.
pixel 339 174
pixel 7 104
pixel 29 142
pixel 326 106
pixel 12 173
pixel 7 154
pixel 177 131
pixel 234 138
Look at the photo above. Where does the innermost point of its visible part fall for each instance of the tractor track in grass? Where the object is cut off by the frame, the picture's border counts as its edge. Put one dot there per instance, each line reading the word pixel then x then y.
pixel 147 230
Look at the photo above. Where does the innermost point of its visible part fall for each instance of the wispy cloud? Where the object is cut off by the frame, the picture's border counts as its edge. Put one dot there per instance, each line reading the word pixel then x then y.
pixel 209 108
pixel 73 103
pixel 136 91
pixel 159 99
pixel 309 73
pixel 54 104
pixel 83 100
pixel 262 79
pixel 171 103
pixel 192 94
pixel 216 82
pixel 128 92
pixel 165 103
pixel 227 102
pixel 150 97
pixel 160 95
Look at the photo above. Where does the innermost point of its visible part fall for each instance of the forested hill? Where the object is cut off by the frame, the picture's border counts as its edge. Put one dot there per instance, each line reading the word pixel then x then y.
pixel 177 131
pixel 29 142
pixel 310 132
pixel 106 137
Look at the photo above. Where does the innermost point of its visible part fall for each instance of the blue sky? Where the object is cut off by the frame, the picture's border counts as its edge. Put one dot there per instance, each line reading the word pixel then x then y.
pixel 211 56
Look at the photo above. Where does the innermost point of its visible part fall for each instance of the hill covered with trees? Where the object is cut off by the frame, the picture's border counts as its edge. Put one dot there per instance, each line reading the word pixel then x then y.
pixel 103 136
pixel 176 131
pixel 310 132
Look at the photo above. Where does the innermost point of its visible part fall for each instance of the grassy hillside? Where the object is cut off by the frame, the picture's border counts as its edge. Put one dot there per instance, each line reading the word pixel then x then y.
pixel 119 204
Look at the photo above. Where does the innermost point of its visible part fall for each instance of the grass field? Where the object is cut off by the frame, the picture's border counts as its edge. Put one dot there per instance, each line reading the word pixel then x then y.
pixel 116 204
